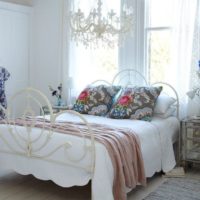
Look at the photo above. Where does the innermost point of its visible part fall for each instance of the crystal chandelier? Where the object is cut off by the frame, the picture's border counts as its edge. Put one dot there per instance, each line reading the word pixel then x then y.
pixel 99 29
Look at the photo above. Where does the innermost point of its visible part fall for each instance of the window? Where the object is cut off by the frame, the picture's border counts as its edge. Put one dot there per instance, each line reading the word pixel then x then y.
pixel 88 65
pixel 159 39
pixel 93 64
pixel 160 48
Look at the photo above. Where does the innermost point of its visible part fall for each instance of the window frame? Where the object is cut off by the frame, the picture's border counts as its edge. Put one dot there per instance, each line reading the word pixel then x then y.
pixel 147 30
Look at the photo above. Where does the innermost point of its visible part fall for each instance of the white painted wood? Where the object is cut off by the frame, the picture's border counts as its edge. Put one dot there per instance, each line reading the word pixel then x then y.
pixel 15 44
pixel 46 45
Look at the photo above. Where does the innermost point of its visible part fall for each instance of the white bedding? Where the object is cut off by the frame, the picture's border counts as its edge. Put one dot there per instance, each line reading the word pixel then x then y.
pixel 156 138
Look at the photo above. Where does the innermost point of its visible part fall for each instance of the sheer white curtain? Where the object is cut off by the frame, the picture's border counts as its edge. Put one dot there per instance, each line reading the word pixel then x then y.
pixel 194 104
pixel 87 65
pixel 131 53
pixel 183 32
pixel 195 80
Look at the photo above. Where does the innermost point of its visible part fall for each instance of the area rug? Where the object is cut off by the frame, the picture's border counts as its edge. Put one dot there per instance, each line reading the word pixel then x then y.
pixel 177 189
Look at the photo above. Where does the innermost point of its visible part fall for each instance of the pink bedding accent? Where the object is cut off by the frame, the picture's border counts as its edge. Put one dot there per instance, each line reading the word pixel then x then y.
pixel 123 146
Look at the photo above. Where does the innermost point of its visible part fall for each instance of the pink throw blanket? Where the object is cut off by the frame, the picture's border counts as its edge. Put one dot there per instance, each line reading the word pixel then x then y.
pixel 123 146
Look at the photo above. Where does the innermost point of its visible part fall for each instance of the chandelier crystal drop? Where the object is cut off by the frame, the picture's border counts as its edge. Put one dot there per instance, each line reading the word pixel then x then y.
pixel 99 29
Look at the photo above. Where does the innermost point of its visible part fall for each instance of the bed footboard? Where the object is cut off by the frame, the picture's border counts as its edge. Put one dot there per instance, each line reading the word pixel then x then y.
pixel 24 133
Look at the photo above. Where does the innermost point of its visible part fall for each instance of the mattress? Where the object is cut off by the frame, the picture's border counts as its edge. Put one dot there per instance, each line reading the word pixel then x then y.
pixel 156 139
pixel 157 136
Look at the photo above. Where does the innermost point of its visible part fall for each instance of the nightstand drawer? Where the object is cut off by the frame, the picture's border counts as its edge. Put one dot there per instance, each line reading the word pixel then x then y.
pixel 192 149
pixel 190 137
pixel 190 156
pixel 193 132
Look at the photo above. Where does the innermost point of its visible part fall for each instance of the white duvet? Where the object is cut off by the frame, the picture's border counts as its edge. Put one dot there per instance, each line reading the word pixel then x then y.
pixel 156 139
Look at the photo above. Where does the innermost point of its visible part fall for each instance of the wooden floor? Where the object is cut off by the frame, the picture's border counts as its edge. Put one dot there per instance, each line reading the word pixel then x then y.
pixel 18 187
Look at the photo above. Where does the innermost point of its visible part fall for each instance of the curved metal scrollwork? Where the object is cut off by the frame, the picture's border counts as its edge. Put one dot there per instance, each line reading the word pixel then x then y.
pixel 32 135
pixel 129 77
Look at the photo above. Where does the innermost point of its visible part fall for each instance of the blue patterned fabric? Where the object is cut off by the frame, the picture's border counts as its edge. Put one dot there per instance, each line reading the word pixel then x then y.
pixel 96 100
pixel 135 103
pixel 4 75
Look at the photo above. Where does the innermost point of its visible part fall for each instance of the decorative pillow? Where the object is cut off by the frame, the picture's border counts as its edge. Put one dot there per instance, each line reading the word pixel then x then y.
pixel 135 103
pixel 169 112
pixel 163 102
pixel 96 100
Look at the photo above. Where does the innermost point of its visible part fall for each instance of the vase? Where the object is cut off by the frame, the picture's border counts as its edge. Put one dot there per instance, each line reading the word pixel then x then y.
pixel 59 102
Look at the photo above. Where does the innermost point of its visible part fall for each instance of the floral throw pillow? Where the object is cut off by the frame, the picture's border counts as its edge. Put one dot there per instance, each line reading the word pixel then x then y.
pixel 135 103
pixel 96 100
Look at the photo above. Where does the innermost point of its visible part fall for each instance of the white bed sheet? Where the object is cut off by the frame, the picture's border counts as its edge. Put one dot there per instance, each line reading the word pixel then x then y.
pixel 156 139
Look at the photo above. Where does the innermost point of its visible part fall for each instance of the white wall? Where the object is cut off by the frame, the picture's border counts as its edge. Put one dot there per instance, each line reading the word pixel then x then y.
pixel 46 47
pixel 15 22
pixel 46 57
pixel 23 2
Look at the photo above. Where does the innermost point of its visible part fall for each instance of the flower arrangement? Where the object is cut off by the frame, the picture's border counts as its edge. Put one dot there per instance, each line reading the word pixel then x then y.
pixel 58 93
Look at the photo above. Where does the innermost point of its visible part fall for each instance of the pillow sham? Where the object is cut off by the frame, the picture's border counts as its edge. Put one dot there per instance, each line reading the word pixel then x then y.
pixel 163 102
pixel 169 112
pixel 135 103
pixel 95 100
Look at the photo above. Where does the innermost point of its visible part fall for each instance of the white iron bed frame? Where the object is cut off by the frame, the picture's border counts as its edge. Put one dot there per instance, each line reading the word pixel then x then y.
pixel 25 144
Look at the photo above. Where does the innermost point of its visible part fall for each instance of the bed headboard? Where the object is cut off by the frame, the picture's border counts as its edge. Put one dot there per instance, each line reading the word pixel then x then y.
pixel 98 82
pixel 131 77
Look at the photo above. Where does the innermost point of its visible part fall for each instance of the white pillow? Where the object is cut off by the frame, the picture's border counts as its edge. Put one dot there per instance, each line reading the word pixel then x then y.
pixel 170 112
pixel 163 102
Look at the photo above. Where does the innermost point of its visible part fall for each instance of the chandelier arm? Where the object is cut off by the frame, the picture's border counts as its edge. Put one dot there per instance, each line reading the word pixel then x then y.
pixel 81 28
pixel 112 30
pixel 98 28
pixel 82 25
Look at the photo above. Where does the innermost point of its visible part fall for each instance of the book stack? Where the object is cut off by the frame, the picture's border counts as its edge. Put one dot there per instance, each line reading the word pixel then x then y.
pixel 177 172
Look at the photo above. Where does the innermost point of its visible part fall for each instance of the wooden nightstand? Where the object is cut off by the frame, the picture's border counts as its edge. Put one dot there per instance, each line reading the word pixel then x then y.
pixel 56 109
pixel 190 140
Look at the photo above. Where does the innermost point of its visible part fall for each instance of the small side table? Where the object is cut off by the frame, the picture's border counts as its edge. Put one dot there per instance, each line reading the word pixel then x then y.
pixel 190 138
pixel 56 109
